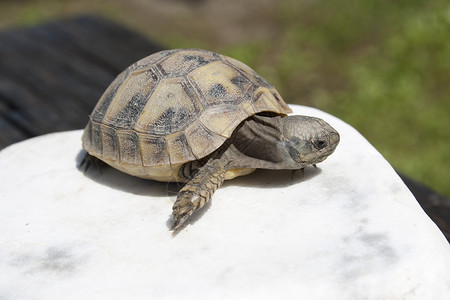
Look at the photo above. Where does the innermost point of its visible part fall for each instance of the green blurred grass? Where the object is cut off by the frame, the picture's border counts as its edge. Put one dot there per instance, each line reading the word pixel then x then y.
pixel 382 66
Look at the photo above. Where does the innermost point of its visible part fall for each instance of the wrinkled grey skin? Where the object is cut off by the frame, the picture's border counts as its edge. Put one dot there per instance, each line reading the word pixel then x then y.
pixel 291 142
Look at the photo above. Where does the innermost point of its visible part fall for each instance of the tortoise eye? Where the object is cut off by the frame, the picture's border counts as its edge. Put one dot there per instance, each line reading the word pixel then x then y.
pixel 320 144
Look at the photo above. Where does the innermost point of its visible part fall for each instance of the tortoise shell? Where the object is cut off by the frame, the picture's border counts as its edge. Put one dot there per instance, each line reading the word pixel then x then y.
pixel 173 107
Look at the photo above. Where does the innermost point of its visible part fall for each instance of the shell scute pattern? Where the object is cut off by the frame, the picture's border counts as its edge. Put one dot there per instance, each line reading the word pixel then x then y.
pixel 129 150
pixel 247 70
pixel 130 99
pixel 175 106
pixel 240 82
pixel 169 109
pixel 180 65
pixel 110 145
pixel 154 150
pixel 108 96
pixel 95 142
pixel 178 148
pixel 201 140
pixel 218 82
pixel 222 120
pixel 150 60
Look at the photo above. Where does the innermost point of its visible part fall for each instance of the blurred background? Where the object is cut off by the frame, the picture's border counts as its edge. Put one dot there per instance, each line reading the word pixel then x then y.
pixel 381 66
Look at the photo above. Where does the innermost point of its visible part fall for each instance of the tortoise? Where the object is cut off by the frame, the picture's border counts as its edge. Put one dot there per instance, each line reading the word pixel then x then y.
pixel 195 116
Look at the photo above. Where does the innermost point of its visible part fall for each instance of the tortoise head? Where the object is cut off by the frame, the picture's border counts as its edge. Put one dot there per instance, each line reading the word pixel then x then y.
pixel 307 140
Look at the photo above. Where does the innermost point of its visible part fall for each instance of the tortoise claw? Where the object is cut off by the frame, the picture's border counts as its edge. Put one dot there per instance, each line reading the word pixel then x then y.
pixel 178 223
pixel 89 160
pixel 183 208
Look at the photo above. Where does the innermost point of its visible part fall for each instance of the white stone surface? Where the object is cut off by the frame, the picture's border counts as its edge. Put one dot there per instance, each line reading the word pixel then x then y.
pixel 347 230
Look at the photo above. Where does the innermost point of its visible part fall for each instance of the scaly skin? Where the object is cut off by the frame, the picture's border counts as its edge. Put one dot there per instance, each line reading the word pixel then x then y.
pixel 197 192
pixel 261 142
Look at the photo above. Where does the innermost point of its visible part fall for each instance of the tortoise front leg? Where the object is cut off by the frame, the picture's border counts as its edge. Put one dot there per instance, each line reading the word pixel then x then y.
pixel 197 192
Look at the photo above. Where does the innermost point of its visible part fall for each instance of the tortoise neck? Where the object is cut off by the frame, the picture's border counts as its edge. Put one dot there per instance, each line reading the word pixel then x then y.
pixel 262 129
pixel 255 144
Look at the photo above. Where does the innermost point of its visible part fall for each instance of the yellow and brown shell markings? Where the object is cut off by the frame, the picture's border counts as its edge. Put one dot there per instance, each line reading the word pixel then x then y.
pixel 195 116
pixel 173 107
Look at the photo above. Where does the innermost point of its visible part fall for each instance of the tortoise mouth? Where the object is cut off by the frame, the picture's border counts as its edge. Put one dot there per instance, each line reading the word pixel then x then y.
pixel 332 144
pixel 313 161
pixel 321 158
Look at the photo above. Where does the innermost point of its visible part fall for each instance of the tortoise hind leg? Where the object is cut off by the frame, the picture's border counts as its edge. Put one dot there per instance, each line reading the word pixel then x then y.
pixel 89 160
pixel 197 192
